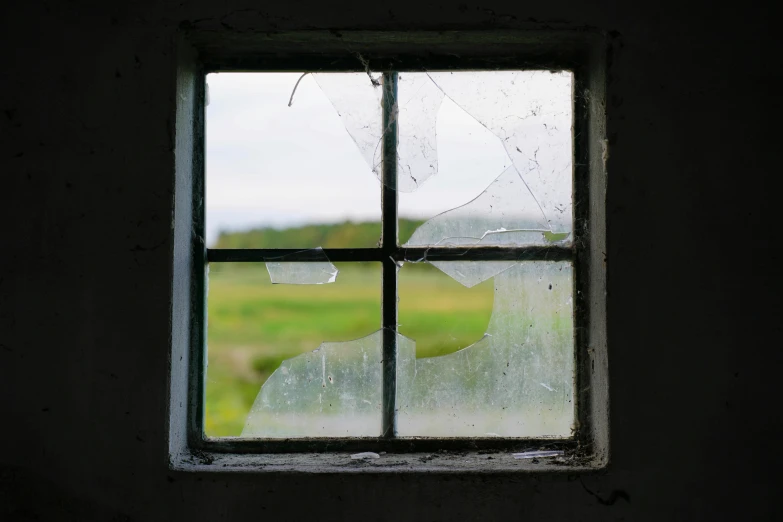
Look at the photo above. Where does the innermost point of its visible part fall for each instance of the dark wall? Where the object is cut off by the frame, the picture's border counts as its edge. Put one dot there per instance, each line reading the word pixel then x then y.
pixel 86 119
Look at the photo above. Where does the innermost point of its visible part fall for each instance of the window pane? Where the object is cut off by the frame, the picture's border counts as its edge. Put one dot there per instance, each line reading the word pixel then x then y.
pixel 260 339
pixel 515 379
pixel 271 166
pixel 504 158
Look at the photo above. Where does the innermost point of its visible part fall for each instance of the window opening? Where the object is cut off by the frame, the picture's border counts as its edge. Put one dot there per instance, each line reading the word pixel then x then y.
pixel 515 233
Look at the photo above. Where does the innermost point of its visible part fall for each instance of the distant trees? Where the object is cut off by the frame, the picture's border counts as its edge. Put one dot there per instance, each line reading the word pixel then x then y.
pixel 336 235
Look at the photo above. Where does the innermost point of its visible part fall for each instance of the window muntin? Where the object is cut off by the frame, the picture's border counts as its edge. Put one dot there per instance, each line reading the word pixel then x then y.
pixel 540 243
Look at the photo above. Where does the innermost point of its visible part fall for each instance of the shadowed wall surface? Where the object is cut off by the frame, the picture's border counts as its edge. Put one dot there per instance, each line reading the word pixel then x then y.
pixel 86 152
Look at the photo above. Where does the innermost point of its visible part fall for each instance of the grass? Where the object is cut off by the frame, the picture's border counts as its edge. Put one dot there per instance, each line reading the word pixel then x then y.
pixel 253 325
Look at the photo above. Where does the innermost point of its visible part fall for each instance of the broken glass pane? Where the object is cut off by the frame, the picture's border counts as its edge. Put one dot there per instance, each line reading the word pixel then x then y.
pixel 470 158
pixel 439 313
pixel 515 381
pixel 333 391
pixel 510 378
pixel 471 273
pixel 254 325
pixel 276 176
pixel 506 213
pixel 317 272
pixel 358 102
pixel 531 113
pixel 418 101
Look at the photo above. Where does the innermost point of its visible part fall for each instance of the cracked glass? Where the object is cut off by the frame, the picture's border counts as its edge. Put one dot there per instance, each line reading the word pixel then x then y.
pixel 505 213
pixel 318 272
pixel 530 112
pixel 516 378
pixel 333 391
pixel 254 326
pixel 482 334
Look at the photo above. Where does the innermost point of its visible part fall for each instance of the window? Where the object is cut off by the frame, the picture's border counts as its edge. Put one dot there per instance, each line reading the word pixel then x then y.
pixel 529 235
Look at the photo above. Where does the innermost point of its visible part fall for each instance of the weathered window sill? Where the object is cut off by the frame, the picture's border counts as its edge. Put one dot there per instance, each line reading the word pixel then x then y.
pixel 481 462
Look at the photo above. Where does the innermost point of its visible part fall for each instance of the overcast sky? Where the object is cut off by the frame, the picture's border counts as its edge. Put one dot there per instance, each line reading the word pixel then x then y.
pixel 269 164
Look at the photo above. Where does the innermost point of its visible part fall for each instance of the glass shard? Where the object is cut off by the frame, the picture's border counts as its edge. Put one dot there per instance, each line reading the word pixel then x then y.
pixel 471 273
pixel 538 454
pixel 531 113
pixel 506 213
pixel 358 102
pixel 365 455
pixel 494 387
pixel 418 101
pixel 333 391
pixel 470 158
pixel 254 325
pixel 302 273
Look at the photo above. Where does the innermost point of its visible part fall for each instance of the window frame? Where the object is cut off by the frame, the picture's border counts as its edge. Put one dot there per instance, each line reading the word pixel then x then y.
pixel 581 53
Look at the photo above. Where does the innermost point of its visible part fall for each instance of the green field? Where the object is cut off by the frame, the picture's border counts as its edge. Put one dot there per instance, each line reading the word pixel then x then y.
pixel 253 325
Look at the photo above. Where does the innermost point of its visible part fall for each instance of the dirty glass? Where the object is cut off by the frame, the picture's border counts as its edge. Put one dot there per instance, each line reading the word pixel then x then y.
pixel 485 345
pixel 530 112
pixel 514 380
pixel 333 391
pixel 518 125
pixel 505 213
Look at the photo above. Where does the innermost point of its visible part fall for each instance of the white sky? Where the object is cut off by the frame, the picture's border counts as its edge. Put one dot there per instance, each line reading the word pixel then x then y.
pixel 269 164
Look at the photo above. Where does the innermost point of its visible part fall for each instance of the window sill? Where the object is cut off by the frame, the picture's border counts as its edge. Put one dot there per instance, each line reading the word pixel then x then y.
pixel 481 462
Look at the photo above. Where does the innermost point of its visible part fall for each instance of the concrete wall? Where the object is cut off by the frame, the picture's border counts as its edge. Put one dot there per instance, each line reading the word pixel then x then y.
pixel 694 286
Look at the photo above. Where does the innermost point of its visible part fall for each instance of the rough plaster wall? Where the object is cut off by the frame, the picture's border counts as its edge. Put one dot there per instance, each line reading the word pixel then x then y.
pixel 85 207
